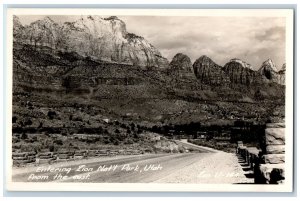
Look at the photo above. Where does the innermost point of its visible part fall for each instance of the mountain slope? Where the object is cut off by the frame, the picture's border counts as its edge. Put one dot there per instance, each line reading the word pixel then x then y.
pixel 269 72
pixel 181 62
pixel 208 72
pixel 240 73
pixel 281 74
pixel 100 38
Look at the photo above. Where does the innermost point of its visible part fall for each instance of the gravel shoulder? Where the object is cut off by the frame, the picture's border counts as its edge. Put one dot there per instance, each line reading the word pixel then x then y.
pixel 220 167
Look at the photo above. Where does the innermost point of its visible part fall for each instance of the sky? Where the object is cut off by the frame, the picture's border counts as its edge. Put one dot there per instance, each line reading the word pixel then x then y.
pixel 251 39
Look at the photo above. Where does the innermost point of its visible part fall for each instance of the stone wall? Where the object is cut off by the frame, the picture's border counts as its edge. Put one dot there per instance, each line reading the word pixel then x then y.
pixel 268 164
pixel 46 157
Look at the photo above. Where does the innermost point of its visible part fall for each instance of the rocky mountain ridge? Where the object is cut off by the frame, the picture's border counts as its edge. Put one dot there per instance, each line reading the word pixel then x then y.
pixel 208 72
pixel 243 63
pixel 103 39
pixel 270 73
pixel 234 72
pixel 107 39
pixel 181 62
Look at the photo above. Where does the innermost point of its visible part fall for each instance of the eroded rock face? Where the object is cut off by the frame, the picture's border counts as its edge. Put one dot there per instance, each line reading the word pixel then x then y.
pixel 275 136
pixel 208 72
pixel 99 38
pixel 181 62
pixel 275 149
pixel 281 74
pixel 243 63
pixel 240 72
pixel 269 72
pixel 274 158
pixel 18 28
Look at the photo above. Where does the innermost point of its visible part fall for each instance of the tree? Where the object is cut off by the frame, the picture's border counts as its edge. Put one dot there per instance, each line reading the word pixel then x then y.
pixel 51 114
pixel 24 136
pixel 59 142
pixel 14 119
pixel 51 148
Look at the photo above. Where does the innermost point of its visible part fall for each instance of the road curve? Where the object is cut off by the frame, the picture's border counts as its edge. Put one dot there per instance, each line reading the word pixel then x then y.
pixel 135 169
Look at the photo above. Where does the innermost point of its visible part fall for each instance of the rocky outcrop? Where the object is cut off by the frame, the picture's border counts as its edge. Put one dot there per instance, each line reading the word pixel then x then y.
pixel 208 72
pixel 18 28
pixel 181 62
pixel 240 72
pixel 268 71
pixel 281 74
pixel 98 38
pixel 243 63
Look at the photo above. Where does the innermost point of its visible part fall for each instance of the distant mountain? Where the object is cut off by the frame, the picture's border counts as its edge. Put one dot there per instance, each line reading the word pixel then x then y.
pixel 99 38
pixel 281 74
pixel 243 63
pixel 269 71
pixel 181 62
pixel 240 72
pixel 208 72
pixel 18 28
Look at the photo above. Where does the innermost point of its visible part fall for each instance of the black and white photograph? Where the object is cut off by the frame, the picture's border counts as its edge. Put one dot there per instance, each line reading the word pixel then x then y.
pixel 200 99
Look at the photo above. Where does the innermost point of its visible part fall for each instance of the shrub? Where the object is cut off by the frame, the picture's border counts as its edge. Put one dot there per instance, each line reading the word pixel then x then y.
pixel 24 136
pixel 51 114
pixel 77 119
pixel 51 148
pixel 28 122
pixel 15 140
pixel 59 142
pixel 181 150
pixel 129 141
pixel 116 142
pixel 41 125
pixel 14 119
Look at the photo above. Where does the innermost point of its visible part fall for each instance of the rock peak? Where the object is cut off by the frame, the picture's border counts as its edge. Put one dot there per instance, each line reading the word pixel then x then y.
pixel 181 62
pixel 283 68
pixel 243 63
pixel 208 72
pixel 47 19
pixel 269 72
pixel 16 21
pixel 104 39
pixel 269 64
pixel 112 18
pixel 240 72
pixel 206 59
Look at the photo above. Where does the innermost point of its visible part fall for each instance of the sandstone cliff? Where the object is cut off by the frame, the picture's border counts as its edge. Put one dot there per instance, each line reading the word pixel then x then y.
pixel 92 36
pixel 269 71
pixel 281 74
pixel 208 72
pixel 243 63
pixel 240 72
pixel 181 62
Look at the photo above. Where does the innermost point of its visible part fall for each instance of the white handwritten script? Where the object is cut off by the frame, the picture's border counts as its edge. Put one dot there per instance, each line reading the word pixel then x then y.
pixel 84 172
pixel 204 174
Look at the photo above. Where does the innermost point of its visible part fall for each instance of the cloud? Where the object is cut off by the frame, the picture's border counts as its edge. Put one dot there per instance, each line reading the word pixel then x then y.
pixel 253 39
pixel 273 33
